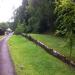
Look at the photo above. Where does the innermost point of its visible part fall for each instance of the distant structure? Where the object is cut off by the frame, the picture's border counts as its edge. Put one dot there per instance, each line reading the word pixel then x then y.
pixel 2 32
pixel 8 31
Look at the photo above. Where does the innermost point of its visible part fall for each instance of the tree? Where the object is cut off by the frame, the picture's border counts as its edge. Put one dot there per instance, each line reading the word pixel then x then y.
pixel 65 21
pixel 19 29
pixel 37 15
pixel 4 25
pixel 21 14
pixel 42 19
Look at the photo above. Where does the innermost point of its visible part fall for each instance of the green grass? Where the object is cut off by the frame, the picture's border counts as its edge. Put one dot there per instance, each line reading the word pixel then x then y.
pixel 56 43
pixel 29 59
pixel 1 37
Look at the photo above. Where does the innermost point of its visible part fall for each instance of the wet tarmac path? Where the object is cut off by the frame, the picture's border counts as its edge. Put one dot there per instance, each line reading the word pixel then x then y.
pixel 6 66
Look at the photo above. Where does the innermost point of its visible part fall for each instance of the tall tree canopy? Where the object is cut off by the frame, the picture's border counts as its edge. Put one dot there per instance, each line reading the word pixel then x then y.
pixel 36 15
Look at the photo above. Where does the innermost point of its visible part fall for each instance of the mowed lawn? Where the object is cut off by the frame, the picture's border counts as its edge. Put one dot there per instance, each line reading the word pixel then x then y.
pixel 29 59
pixel 56 43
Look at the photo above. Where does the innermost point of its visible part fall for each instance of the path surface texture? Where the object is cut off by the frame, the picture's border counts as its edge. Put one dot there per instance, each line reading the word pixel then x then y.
pixel 6 67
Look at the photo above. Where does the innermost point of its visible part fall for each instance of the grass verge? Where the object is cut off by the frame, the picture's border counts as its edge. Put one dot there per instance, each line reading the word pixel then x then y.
pixel 1 37
pixel 29 59
pixel 56 43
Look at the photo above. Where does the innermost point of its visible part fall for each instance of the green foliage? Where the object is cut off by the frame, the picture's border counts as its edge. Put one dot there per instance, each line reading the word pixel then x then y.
pixel 20 28
pixel 42 19
pixel 65 21
pixel 37 15
pixel 65 12
pixel 4 26
pixel 11 25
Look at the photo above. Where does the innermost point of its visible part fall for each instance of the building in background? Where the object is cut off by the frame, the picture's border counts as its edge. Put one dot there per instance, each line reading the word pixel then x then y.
pixel 8 30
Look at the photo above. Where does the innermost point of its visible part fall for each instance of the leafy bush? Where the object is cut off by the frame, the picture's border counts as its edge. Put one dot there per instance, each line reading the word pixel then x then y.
pixel 20 29
pixel 65 21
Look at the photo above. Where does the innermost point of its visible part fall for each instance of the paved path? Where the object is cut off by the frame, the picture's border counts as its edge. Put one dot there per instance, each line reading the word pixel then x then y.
pixel 6 67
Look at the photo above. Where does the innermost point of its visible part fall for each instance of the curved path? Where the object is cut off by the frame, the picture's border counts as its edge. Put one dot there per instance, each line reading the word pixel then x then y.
pixel 6 66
